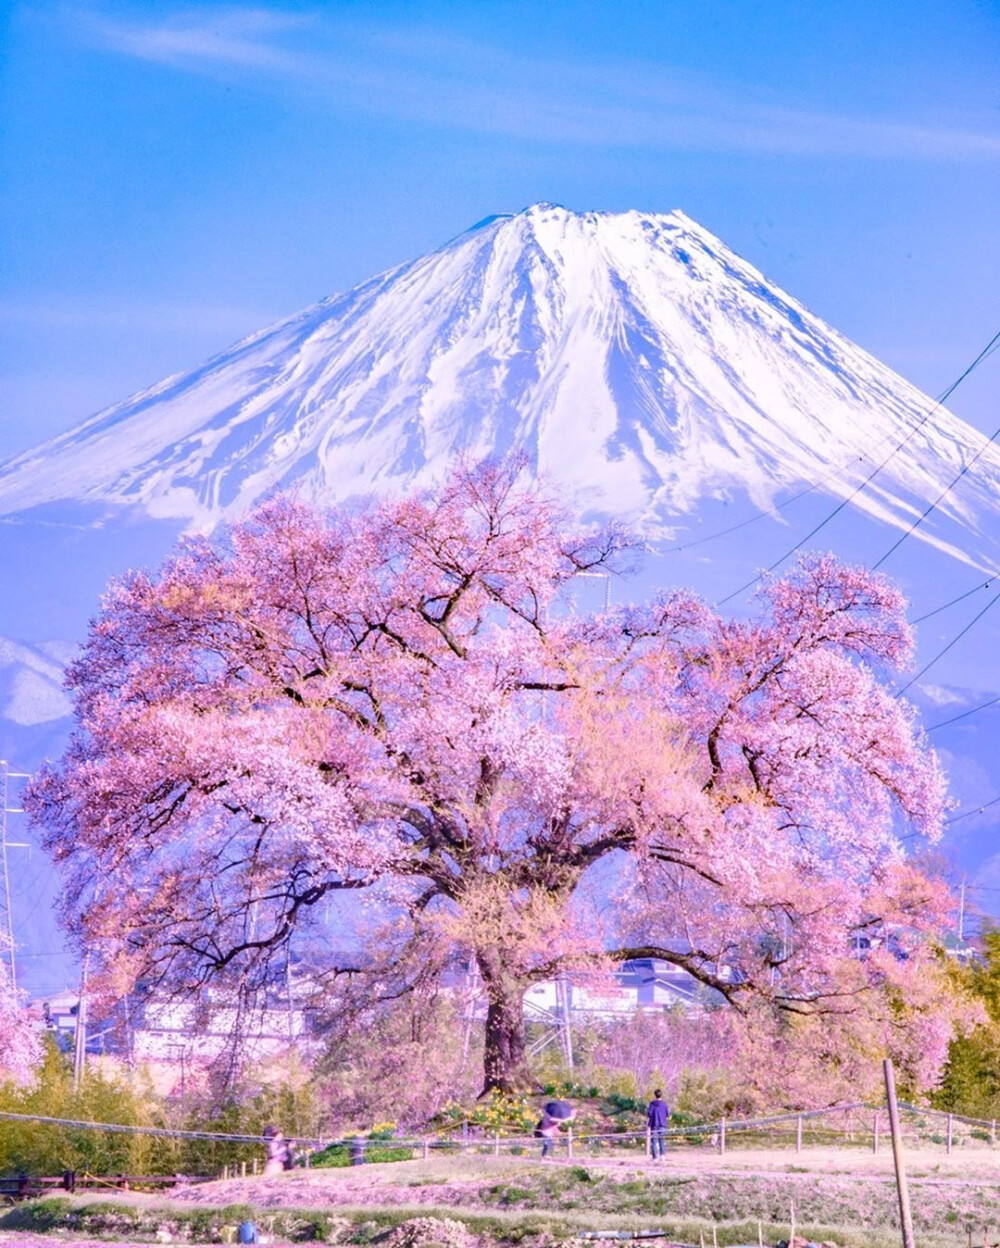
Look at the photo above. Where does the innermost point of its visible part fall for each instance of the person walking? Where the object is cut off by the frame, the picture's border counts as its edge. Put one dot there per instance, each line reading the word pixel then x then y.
pixel 657 1119
pixel 277 1150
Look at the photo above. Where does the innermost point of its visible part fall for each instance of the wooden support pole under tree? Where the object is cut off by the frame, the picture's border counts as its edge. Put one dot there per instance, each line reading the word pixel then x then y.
pixel 905 1217
pixel 798 1134
pixel 427 1149
pixel 496 1143
pixel 951 1131
pixel 722 1136
pixel 649 1141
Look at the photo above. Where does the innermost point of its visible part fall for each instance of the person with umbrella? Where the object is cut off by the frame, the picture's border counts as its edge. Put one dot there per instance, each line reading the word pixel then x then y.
pixel 554 1114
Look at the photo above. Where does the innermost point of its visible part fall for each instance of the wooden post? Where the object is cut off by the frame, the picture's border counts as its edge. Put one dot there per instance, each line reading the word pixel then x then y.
pixel 569 1143
pixel 722 1136
pixel 649 1141
pixel 951 1131
pixel 798 1134
pixel 496 1143
pixel 427 1148
pixel 875 1133
pixel 993 1131
pixel 791 1237
pixel 760 1234
pixel 905 1218
pixel 255 1165
pixel 243 1169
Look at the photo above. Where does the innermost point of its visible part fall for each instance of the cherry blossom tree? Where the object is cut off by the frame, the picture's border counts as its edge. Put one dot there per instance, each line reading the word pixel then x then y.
pixel 400 703
pixel 20 1039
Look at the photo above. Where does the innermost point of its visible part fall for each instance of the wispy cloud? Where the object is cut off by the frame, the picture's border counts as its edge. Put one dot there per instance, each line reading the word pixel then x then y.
pixel 241 37
pixel 426 77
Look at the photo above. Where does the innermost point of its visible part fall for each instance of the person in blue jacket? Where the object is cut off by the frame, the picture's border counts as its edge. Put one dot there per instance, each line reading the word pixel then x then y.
pixel 657 1118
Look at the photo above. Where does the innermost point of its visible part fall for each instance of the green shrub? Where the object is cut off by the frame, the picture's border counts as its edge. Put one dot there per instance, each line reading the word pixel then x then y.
pixel 36 1215
pixel 623 1104
pixel 340 1155
pixel 44 1148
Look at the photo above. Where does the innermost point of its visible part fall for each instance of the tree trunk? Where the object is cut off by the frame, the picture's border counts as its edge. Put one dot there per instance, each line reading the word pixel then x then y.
pixel 505 1065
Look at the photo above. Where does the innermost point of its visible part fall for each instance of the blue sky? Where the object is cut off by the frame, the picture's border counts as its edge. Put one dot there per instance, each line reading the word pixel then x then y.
pixel 175 175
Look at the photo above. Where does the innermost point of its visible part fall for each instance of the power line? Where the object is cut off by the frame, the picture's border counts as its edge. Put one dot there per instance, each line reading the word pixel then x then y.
pixel 969 813
pixel 987 350
pixel 761 514
pixel 954 601
pixel 944 650
pixel 990 347
pixel 931 506
pixel 955 718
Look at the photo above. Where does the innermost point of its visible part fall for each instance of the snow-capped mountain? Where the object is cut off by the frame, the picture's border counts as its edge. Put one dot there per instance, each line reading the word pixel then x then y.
pixel 639 363
pixel 642 366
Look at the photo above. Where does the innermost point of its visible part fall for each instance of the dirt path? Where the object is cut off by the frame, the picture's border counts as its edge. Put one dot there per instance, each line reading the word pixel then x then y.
pixel 458 1182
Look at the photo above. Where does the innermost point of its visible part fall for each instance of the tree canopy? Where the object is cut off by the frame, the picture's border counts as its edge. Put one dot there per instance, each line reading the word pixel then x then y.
pixel 400 701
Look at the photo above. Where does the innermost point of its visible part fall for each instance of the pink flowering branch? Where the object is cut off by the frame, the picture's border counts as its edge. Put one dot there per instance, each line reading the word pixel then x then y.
pixel 394 704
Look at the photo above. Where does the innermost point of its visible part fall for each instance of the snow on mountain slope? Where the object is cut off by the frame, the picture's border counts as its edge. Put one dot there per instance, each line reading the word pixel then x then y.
pixel 637 361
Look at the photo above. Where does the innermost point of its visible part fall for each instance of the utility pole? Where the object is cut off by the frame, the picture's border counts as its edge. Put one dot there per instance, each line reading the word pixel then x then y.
pixel 6 908
pixel 177 1050
pixel 471 992
pixel 606 577
pixel 80 1035
pixel 288 993
pixel 565 996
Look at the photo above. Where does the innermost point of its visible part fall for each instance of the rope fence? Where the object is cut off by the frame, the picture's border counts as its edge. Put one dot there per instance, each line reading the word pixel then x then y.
pixel 857 1124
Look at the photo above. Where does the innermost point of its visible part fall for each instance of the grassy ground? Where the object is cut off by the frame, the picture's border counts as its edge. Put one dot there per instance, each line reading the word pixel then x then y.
pixel 845 1197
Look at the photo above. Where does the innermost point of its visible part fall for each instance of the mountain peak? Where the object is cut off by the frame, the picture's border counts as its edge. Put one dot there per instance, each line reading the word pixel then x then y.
pixel 635 359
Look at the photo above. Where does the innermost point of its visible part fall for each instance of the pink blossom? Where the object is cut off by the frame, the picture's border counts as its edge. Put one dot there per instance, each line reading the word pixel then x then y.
pixel 394 699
